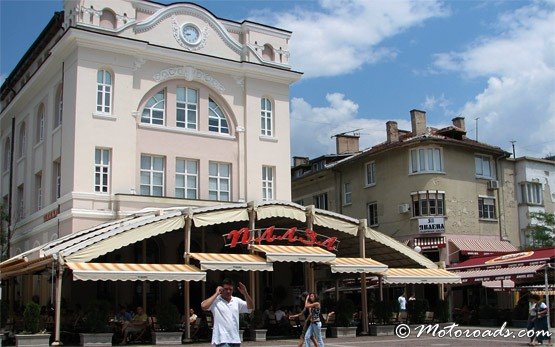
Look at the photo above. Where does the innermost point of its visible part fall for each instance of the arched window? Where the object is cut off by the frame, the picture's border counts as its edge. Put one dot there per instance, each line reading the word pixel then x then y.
pixel 40 124
pixel 22 142
pixel 58 107
pixel 7 154
pixel 108 19
pixel 216 119
pixel 103 91
pixel 266 117
pixel 268 53
pixel 155 109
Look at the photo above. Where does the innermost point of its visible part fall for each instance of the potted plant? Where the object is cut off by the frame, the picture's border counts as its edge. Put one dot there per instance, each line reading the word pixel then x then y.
pixel 96 330
pixel 417 310
pixel 258 333
pixel 442 311
pixel 30 335
pixel 344 325
pixel 170 328
pixel 383 311
pixel 244 321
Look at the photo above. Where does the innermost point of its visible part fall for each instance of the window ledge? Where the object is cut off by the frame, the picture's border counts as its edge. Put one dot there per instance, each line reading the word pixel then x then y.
pixel 105 116
pixel 420 217
pixel 20 159
pixel 491 220
pixel 57 128
pixel 484 178
pixel 374 226
pixel 370 185
pixel 267 138
pixel 183 131
pixel 427 173
pixel 530 204
pixel 37 145
pixel 349 204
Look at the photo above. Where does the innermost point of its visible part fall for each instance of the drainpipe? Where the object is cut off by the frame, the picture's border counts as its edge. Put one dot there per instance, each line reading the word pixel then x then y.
pixel 500 196
pixel 186 256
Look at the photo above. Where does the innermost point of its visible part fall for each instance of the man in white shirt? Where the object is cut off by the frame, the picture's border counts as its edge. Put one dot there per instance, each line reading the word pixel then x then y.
pixel 279 314
pixel 226 308
pixel 402 302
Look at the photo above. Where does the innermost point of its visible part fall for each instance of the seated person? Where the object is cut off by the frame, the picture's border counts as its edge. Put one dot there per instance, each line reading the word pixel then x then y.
pixel 192 318
pixel 279 314
pixel 123 315
pixel 138 323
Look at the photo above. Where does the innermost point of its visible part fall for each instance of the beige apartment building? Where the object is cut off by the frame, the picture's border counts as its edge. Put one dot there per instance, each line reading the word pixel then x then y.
pixel 127 104
pixel 435 190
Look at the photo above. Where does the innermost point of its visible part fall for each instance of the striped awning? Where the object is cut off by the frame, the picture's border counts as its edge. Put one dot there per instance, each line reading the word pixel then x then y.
pixel 482 247
pixel 25 267
pixel 357 265
pixel 232 262
pixel 501 284
pixel 303 254
pixel 509 273
pixel 135 272
pixel 420 276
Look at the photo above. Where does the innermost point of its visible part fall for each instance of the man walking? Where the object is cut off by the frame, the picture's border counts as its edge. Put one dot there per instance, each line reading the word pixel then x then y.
pixel 226 308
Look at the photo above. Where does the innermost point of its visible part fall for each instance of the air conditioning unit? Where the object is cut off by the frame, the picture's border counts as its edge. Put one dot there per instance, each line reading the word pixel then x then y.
pixel 404 208
pixel 493 184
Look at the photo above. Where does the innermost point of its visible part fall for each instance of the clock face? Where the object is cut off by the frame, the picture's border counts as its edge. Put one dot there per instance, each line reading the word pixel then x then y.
pixel 190 34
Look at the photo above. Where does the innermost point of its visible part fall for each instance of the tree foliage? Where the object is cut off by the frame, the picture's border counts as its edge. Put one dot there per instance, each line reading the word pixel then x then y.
pixel 542 229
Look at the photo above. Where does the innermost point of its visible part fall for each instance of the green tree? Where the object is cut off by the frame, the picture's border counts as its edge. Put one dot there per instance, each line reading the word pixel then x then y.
pixel 3 233
pixel 542 229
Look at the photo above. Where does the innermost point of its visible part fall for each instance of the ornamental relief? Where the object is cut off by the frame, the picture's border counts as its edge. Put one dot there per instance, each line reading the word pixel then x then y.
pixel 189 73
pixel 176 29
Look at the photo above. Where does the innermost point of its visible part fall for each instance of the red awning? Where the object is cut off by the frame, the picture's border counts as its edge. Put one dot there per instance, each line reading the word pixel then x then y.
pixel 512 273
pixel 535 257
pixel 482 247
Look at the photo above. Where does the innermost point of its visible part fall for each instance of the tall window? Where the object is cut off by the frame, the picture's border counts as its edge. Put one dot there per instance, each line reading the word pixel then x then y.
pixel 486 208
pixel 219 181
pixel 532 193
pixel 347 194
pixel 428 203
pixel 373 214
pixel 370 173
pixel 155 109
pixel 38 190
pixel 58 107
pixel 267 183
pixel 187 108
pixel 103 91
pixel 57 176
pixel 483 166
pixel 40 124
pixel 425 160
pixel 152 175
pixel 20 203
pixel 321 201
pixel 101 170
pixel 266 117
pixel 216 118
pixel 186 179
pixel 22 140
pixel 7 155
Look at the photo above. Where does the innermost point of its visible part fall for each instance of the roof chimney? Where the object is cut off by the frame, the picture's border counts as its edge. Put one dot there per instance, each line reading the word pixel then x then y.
pixel 392 131
pixel 459 123
pixel 346 143
pixel 418 121
pixel 297 161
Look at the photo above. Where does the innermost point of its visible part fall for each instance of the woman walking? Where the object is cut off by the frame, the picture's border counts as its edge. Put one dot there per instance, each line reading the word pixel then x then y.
pixel 313 303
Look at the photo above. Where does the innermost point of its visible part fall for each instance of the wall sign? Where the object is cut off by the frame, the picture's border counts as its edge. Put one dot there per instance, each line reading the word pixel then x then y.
pixel 431 225
pixel 51 215
pixel 271 234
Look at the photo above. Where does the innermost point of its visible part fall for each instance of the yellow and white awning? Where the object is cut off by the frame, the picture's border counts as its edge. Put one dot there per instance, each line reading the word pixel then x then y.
pixel 357 265
pixel 232 262
pixel 295 253
pixel 135 272
pixel 420 276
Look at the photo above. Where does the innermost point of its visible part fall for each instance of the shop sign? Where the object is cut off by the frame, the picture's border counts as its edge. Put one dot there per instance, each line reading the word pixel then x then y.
pixel 431 225
pixel 50 215
pixel 510 257
pixel 306 237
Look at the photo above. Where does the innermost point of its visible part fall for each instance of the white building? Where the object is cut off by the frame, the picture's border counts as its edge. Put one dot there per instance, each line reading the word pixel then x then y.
pixel 121 105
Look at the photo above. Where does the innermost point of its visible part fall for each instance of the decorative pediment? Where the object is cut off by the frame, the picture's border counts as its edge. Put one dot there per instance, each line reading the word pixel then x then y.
pixel 189 73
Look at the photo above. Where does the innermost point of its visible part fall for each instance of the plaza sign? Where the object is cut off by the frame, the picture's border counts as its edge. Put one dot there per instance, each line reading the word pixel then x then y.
pixel 431 225
pixel 271 234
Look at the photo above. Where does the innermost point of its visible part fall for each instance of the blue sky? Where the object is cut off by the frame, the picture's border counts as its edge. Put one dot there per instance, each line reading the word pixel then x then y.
pixel 367 62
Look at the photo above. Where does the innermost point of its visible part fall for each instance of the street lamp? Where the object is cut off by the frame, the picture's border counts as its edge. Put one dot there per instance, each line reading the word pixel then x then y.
pixel 417 249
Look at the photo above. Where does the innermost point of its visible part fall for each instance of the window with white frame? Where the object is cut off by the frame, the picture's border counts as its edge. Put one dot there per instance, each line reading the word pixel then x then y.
pixel 22 140
pixel 40 124
pixel 532 193
pixel 38 191
pixel 426 160
pixel 486 208
pixel 370 173
pixel 103 91
pixel 347 193
pixel 7 157
pixel 321 201
pixel 152 175
pixel 483 165
pixel 266 117
pixel 216 118
pixel 58 107
pixel 20 203
pixel 57 176
pixel 428 203
pixel 267 183
pixel 102 170
pixel 154 111
pixel 219 181
pixel 186 108
pixel 186 179
pixel 372 214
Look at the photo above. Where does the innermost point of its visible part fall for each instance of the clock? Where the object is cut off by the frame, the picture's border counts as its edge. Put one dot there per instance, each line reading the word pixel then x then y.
pixel 190 33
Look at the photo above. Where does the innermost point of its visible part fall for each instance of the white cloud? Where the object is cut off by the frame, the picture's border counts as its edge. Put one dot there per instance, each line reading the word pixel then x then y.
pixel 342 36
pixel 432 102
pixel 518 102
